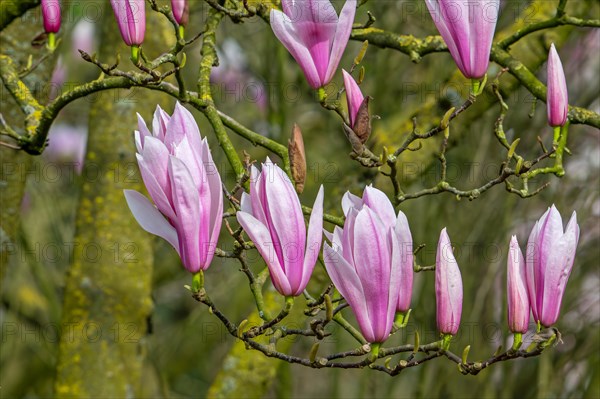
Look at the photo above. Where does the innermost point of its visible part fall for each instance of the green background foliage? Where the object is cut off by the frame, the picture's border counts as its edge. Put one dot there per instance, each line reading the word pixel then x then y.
pixel 149 338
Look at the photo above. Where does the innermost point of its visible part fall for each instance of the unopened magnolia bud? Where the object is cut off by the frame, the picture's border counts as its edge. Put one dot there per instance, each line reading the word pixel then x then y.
pixel 362 123
pixel 297 158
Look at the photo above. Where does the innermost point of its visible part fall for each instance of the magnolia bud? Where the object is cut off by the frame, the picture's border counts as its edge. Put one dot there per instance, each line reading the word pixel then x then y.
pixel 297 158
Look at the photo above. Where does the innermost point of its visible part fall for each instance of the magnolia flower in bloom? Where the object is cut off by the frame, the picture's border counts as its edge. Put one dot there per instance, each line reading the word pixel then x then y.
pixel 180 11
pixel 272 217
pixel 550 256
pixel 467 28
pixel 131 18
pixel 448 287
pixel 184 184
pixel 313 34
pixel 51 15
pixel 557 100
pixel 370 261
pixel 518 301
pixel 354 97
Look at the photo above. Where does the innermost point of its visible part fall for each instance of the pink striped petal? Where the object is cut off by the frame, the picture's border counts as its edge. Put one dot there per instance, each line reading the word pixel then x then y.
pixel 518 301
pixel 340 40
pixel 372 261
pixel 313 240
pixel 284 211
pixel 354 96
pixel 405 243
pixel 448 287
pixel 381 205
pixel 259 234
pixel 283 28
pixel 187 208
pixel 557 100
pixel 345 279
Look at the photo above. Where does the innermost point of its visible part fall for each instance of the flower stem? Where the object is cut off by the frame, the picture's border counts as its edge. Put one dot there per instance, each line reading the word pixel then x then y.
pixel 135 54
pixel 556 135
pixel 322 95
pixel 198 281
pixel 375 351
pixel 475 84
pixel 517 341
pixel 445 344
pixel 51 41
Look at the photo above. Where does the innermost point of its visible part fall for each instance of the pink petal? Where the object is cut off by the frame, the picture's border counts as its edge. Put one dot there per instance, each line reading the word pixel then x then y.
pixel 518 301
pixel 261 237
pixel 318 39
pixel 373 267
pixel 345 279
pixel 381 205
pixel 284 213
pixel 258 210
pixel 216 189
pixel 51 15
pixel 340 40
pixel 354 96
pixel 321 11
pixel 349 201
pixel 159 123
pixel 284 30
pixel 557 97
pixel 483 18
pixel 444 21
pixel 313 240
pixel 161 199
pixel 187 208
pixel 405 243
pixel 448 287
pixel 149 218
pixel 182 124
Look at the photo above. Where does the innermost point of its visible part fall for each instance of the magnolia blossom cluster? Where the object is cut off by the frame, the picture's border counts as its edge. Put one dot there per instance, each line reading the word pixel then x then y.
pixel 369 259
pixel 316 37
pixel 538 282
pixel 131 18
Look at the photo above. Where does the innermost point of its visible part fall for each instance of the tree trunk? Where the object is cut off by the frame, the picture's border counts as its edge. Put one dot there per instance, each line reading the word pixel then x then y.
pixel 107 299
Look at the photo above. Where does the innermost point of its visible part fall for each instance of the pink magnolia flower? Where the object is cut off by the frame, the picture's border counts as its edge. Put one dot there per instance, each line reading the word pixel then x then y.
pixel 467 27
pixel 184 184
pixel 51 15
pixel 448 287
pixel 313 34
pixel 354 96
pixel 131 18
pixel 180 11
pixel 550 257
pixel 557 101
pixel 272 217
pixel 370 261
pixel 518 301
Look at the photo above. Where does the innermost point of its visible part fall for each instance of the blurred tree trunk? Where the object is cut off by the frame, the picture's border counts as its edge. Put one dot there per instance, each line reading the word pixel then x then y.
pixel 15 41
pixel 107 299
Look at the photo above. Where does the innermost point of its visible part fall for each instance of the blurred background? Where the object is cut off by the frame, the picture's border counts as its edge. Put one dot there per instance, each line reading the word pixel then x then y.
pixel 182 349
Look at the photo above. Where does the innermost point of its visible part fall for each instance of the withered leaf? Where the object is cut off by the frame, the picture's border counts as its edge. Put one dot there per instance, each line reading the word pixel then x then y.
pixel 297 158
